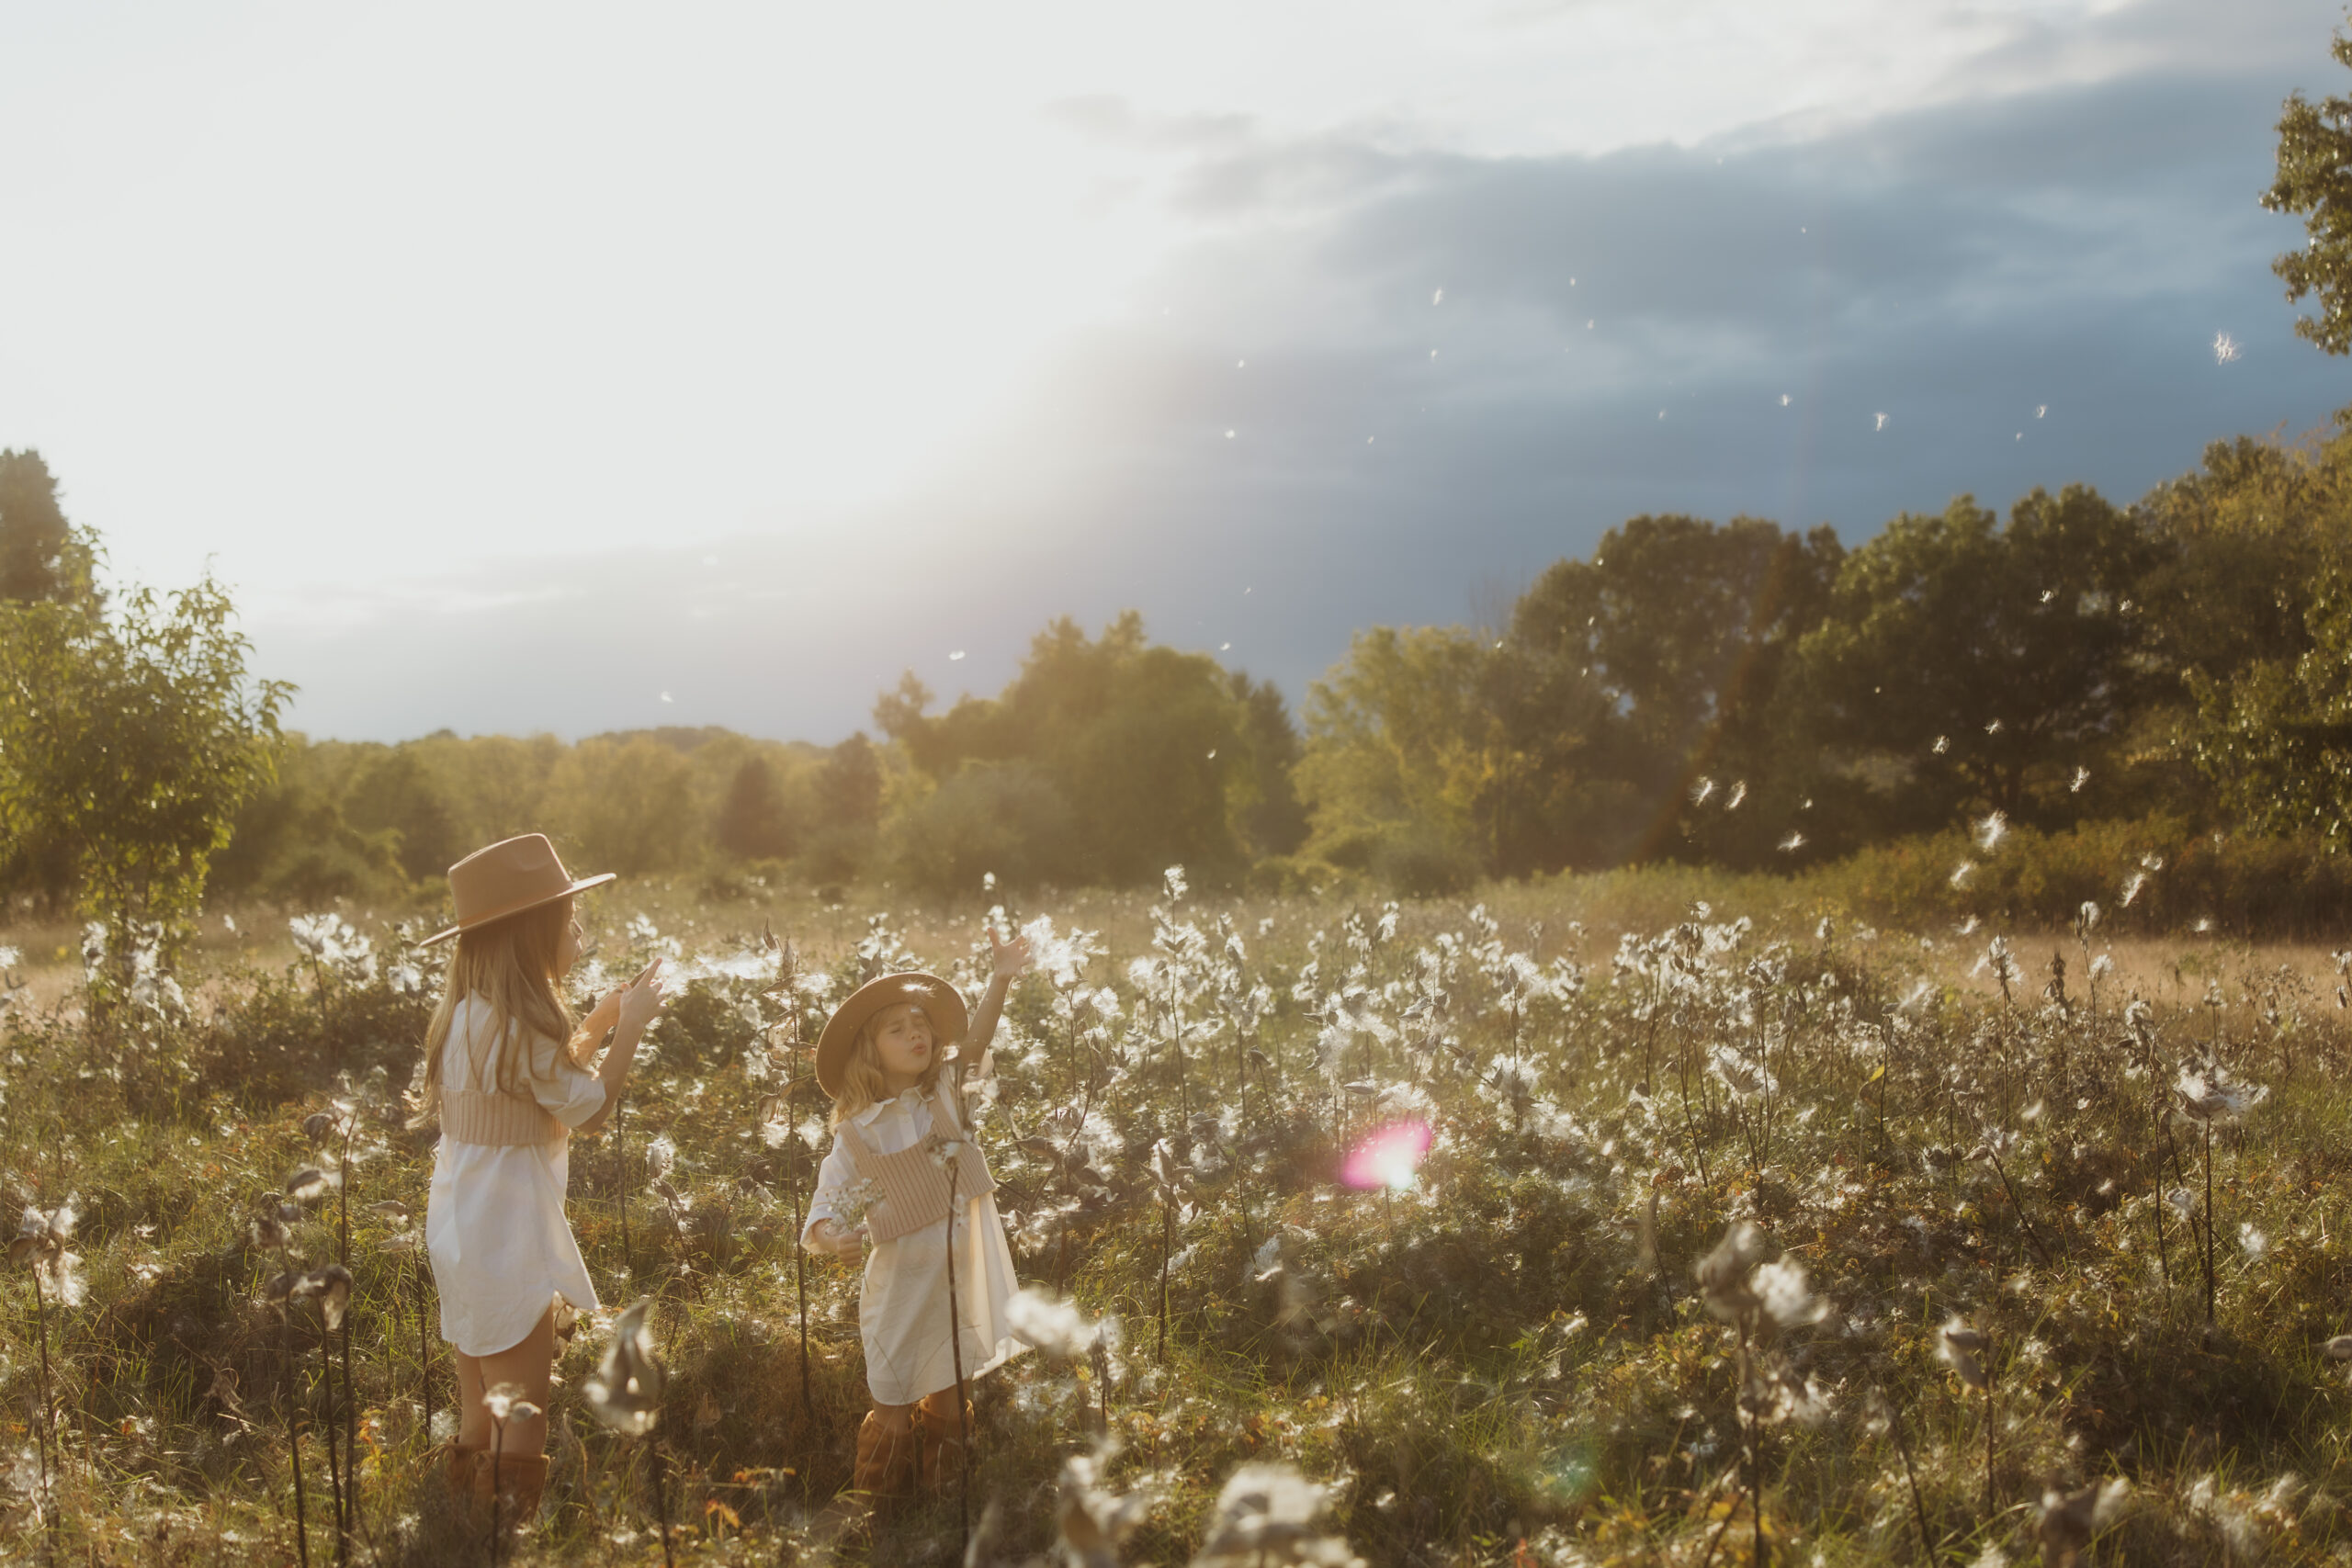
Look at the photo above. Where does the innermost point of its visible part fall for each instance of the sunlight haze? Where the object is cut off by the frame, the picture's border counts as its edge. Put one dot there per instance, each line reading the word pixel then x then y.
pixel 446 333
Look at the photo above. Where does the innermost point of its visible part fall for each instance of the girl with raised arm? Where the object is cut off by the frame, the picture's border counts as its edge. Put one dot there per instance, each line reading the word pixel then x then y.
pixel 902 1144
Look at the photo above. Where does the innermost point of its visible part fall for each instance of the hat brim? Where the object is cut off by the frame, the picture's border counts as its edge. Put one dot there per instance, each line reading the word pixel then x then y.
pixel 940 999
pixel 531 903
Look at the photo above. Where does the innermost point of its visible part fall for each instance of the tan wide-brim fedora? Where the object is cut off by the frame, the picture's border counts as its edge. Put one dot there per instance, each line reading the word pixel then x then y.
pixel 506 879
pixel 949 1019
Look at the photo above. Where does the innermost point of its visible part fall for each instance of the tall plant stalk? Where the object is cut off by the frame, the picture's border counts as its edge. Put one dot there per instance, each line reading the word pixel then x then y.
pixel 955 1349
pixel 349 1507
pixel 294 1446
pixel 2209 1221
pixel 47 1425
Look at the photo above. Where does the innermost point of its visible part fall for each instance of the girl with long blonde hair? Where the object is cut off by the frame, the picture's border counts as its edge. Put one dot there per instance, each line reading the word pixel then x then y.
pixel 507 1076
pixel 905 1177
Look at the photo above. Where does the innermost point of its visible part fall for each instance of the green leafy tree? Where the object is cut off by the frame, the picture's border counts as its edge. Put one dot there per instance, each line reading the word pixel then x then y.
pixel 1150 747
pixel 1407 763
pixel 848 784
pixel 753 823
pixel 401 794
pixel 134 739
pixel 291 843
pixel 1966 665
pixel 42 557
pixel 1005 819
pixel 628 805
pixel 2315 184
pixel 1654 666
pixel 2277 738
pixel 1275 823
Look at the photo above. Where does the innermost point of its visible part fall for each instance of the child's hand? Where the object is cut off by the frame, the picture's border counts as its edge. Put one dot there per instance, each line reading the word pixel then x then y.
pixel 600 1017
pixel 1012 957
pixel 643 998
pixel 840 1242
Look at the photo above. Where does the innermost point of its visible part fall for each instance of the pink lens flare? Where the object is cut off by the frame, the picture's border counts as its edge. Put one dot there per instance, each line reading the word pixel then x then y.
pixel 1388 1157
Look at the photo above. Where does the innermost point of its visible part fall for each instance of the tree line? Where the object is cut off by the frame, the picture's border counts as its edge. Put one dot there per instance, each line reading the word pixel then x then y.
pixel 1732 694
pixel 1703 692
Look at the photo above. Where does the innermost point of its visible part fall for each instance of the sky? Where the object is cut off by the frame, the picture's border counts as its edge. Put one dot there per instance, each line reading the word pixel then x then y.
pixel 575 368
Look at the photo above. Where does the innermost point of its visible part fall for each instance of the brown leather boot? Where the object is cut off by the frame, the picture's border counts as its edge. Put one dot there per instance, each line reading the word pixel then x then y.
pixel 521 1478
pixel 459 1474
pixel 884 1458
pixel 941 1465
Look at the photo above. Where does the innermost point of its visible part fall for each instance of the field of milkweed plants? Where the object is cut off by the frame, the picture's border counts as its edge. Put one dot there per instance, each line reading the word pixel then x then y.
pixel 1452 1232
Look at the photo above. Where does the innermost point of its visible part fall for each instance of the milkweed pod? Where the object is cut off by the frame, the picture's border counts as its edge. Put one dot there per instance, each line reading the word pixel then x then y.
pixel 334 1291
pixel 625 1390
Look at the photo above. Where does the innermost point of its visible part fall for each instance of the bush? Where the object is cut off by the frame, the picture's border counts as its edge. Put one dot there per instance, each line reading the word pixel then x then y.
pixel 2172 875
pixel 1005 817
pixel 1417 862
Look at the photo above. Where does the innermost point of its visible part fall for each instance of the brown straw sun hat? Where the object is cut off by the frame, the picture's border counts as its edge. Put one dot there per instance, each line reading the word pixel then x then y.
pixel 949 1019
pixel 506 879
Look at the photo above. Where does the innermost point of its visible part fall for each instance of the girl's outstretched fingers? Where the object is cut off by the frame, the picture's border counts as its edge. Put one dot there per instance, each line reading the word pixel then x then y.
pixel 1012 957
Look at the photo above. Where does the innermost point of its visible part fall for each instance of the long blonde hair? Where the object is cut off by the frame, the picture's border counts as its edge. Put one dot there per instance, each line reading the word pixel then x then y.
pixel 863 1082
pixel 510 965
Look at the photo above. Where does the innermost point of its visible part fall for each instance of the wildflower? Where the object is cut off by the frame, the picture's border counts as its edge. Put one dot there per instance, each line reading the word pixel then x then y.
pixel 2069 1519
pixel 331 944
pixel 849 1208
pixel 1051 1324
pixel 1744 1079
pixel 308 1184
pixel 1782 1288
pixel 330 1287
pixel 1722 1274
pixel 1267 1514
pixel 41 1239
pixel 1094 1522
pixel 625 1390
pixel 503 1402
pixel 1959 1346
pixel 2213 1095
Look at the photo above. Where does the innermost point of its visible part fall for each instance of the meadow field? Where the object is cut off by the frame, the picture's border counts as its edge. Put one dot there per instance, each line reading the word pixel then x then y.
pixel 1557 1228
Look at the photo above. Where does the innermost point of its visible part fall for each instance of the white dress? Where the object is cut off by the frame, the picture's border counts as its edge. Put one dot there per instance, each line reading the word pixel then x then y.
pixel 502 1249
pixel 902 1307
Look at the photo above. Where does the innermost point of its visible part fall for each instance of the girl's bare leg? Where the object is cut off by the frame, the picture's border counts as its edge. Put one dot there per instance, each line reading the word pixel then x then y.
pixel 530 1365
